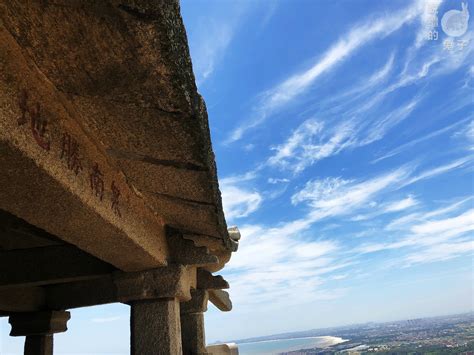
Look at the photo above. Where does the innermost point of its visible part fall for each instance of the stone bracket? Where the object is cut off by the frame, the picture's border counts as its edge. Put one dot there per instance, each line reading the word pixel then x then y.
pixel 221 300
pixel 197 303
pixel 184 251
pixel 207 281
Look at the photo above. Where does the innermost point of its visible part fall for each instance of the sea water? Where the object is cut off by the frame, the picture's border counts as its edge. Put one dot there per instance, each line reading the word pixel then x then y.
pixel 271 347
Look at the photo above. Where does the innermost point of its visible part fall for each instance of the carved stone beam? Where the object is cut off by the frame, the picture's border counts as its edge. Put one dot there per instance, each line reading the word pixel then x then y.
pixel 21 299
pixel 173 281
pixel 59 263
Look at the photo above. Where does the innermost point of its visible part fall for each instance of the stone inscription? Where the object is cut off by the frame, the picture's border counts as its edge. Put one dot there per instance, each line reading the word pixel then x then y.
pixel 115 199
pixel 70 153
pixel 39 123
pixel 70 150
pixel 96 182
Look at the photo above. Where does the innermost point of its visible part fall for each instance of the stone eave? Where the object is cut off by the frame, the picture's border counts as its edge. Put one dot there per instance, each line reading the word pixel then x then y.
pixel 115 79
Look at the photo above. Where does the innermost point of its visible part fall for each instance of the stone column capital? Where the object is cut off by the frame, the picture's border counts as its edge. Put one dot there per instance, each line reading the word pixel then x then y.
pixel 173 281
pixel 38 323
pixel 197 303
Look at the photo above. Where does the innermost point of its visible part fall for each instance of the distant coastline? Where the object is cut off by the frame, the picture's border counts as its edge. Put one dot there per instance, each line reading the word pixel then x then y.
pixel 451 334
pixel 288 345
pixel 329 340
pixel 337 331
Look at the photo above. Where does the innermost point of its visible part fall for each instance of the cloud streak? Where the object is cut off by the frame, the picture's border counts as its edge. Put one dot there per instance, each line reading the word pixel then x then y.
pixel 211 36
pixel 239 201
pixel 295 85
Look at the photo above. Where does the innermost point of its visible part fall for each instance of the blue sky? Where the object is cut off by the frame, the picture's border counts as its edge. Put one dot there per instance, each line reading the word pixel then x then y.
pixel 344 144
pixel 344 141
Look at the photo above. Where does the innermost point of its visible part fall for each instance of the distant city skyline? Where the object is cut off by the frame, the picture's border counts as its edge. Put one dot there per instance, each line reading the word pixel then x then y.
pixel 343 133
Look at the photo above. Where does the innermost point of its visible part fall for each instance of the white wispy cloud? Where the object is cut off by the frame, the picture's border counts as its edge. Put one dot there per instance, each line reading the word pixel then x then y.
pixel 416 141
pixel 274 261
pixel 332 197
pixel 401 204
pixel 377 77
pixel 312 141
pixel 302 136
pixel 459 163
pixel 211 37
pixel 352 197
pixel 439 252
pixel 466 134
pixel 292 87
pixel 335 197
pixel 351 97
pixel 308 144
pixel 381 126
pixel 402 222
pixel 277 180
pixel 320 189
pixel 429 234
pixel 458 224
pixel 238 201
pixel 390 207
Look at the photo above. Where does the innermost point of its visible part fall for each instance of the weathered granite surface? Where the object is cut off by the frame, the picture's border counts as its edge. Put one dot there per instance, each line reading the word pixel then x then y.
pixel 104 139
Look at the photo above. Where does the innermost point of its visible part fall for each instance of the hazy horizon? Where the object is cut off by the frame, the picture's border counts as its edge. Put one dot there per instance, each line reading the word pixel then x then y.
pixel 340 326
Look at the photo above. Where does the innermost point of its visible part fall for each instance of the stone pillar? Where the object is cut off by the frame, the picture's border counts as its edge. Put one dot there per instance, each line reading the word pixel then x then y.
pixel 154 297
pixel 39 327
pixel 192 323
pixel 155 327
pixel 39 345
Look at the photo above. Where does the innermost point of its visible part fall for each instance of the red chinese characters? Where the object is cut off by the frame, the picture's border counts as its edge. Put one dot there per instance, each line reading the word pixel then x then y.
pixel 70 150
pixel 38 122
pixel 115 199
pixel 97 182
pixel 70 153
